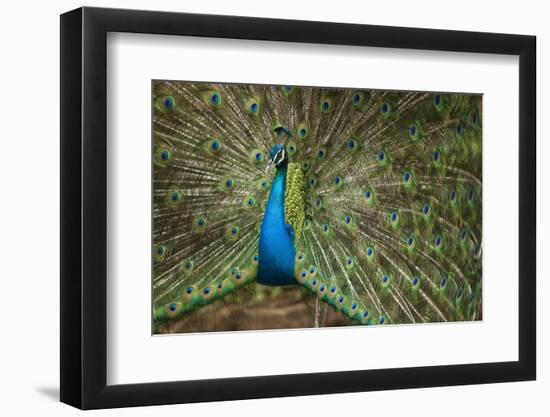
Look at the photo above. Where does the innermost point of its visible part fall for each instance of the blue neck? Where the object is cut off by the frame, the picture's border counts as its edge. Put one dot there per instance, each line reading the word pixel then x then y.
pixel 276 254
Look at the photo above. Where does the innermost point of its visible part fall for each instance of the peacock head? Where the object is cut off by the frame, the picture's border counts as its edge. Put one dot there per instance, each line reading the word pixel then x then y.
pixel 277 157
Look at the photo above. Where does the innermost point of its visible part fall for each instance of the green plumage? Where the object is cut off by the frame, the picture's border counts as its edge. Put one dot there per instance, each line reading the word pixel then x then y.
pixel 294 200
pixel 383 194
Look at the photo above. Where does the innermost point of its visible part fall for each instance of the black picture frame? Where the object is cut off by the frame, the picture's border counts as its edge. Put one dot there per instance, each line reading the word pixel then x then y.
pixel 84 207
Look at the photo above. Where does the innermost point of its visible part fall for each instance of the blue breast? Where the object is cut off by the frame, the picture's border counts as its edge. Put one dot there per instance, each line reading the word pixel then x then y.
pixel 276 253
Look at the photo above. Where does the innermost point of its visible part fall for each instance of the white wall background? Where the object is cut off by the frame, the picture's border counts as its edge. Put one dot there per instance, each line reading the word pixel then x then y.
pixel 29 209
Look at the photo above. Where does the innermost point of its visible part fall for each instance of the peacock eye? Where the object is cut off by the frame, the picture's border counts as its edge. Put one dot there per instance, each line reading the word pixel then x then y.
pixel 437 99
pixel 332 290
pixel 368 196
pixel 443 282
pixel 414 281
pixel 436 155
pixel 370 251
pixel 412 130
pixel 215 145
pixel 173 307
pixel 164 155
pixel 337 180
pixel 366 314
pixel 199 224
pixel 254 107
pixel 384 108
pixel 303 130
pixel 382 320
pixel 327 104
pixel 381 156
pixel 452 195
pixel 438 240
pixel 347 219
pixel 410 241
pixel 393 216
pixel 351 144
pixel 189 290
pixel 169 103
pixel 426 209
pixel 215 98
pixel 385 278
pixel 312 181
pixel 228 183
pixel 407 176
pixel 189 265
pixel 321 153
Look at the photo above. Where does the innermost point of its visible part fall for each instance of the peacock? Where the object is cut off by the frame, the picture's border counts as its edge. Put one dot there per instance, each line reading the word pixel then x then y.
pixel 368 201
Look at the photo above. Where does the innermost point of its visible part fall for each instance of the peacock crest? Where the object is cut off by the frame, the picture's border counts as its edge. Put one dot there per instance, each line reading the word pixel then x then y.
pixel 366 202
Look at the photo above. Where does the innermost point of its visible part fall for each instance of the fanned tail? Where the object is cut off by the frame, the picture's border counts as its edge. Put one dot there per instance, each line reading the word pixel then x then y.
pixel 391 229
pixel 209 188
pixel 394 191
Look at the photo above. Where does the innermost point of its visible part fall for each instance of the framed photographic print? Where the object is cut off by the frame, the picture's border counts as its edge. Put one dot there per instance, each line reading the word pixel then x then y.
pixel 275 208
